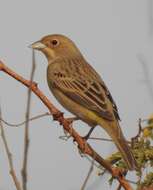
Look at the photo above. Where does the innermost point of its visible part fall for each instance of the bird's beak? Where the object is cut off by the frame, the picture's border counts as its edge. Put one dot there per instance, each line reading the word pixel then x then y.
pixel 37 45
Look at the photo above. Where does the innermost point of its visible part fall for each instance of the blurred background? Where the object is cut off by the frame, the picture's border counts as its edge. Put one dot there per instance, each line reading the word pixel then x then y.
pixel 116 37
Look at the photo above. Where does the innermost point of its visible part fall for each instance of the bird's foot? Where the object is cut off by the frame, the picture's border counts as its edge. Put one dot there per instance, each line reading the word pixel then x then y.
pixel 86 137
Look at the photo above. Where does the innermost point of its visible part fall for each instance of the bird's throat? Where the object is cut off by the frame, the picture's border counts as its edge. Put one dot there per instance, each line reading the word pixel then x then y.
pixel 49 53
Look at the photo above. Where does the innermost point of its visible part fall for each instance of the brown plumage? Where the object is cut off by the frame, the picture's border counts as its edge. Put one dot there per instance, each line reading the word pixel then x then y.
pixel 80 89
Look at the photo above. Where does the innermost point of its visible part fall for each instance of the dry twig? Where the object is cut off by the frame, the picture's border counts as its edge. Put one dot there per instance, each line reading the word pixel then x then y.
pixel 135 138
pixel 147 80
pixel 150 16
pixel 23 122
pixel 9 156
pixel 100 139
pixel 26 132
pixel 88 175
pixel 120 186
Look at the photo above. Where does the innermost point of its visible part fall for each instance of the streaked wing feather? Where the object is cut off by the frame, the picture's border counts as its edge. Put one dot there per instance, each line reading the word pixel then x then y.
pixel 115 109
pixel 87 94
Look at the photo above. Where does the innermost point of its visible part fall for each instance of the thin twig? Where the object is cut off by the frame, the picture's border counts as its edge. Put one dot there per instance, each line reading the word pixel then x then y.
pixel 23 122
pixel 88 175
pixel 9 157
pixel 100 139
pixel 58 116
pixel 135 138
pixel 104 139
pixel 120 186
pixel 148 80
pixel 26 132
pixel 65 137
pixel 95 163
pixel 150 16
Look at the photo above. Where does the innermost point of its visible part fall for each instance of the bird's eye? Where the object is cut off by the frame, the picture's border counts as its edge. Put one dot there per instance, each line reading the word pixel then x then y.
pixel 55 42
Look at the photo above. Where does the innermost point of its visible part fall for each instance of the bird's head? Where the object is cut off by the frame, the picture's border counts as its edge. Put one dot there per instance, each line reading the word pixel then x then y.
pixel 56 45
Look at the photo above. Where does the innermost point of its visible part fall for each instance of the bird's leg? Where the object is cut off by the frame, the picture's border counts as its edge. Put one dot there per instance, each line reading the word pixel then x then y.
pixel 86 137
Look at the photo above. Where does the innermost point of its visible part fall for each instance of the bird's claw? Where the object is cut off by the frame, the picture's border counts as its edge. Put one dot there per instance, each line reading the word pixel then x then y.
pixel 86 137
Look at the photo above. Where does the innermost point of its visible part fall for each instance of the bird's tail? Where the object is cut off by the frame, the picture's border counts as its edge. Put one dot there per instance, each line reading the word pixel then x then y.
pixel 119 140
pixel 126 152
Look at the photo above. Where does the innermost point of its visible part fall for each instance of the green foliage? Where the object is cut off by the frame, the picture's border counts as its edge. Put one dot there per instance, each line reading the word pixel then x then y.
pixel 143 151
pixel 148 181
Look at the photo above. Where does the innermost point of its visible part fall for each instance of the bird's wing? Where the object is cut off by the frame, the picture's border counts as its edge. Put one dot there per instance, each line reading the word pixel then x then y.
pixel 85 87
pixel 97 77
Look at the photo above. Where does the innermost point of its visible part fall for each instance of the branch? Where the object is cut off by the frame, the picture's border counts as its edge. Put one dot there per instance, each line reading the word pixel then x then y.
pixel 23 122
pixel 147 77
pixel 135 138
pixel 26 132
pixel 119 186
pixel 88 175
pixel 58 116
pixel 9 156
pixel 150 16
pixel 100 139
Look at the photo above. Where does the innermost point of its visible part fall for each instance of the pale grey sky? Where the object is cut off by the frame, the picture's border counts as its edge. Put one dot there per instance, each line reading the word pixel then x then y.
pixel 111 34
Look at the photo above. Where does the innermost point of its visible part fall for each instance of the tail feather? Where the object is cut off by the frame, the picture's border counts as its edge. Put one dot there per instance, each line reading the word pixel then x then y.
pixel 126 153
pixel 114 130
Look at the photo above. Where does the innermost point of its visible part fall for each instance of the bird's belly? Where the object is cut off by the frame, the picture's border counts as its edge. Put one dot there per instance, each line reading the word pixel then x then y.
pixel 81 112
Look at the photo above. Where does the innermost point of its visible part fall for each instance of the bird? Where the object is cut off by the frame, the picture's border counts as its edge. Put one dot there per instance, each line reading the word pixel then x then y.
pixel 80 89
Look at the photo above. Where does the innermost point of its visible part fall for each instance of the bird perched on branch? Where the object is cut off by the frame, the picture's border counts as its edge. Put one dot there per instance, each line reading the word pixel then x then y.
pixel 81 90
